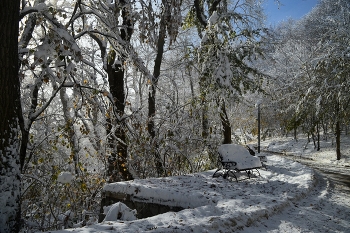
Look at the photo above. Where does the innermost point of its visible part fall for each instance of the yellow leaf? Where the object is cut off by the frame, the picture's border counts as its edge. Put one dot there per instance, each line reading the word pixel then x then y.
pixel 83 186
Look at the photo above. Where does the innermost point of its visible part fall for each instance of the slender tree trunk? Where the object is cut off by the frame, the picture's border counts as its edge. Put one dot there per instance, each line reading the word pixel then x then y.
pixel 337 139
pixel 152 94
pixel 69 128
pixel 313 139
pixel 10 208
pixel 325 130
pixel 23 148
pixel 318 136
pixel 191 84
pixel 259 128
pixel 225 124
pixel 204 105
pixel 25 128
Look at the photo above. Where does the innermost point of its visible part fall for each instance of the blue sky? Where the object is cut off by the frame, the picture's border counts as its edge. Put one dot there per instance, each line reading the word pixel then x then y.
pixel 289 9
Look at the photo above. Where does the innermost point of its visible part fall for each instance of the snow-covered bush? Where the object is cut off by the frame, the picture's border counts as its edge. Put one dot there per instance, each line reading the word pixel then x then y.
pixel 53 197
pixel 50 205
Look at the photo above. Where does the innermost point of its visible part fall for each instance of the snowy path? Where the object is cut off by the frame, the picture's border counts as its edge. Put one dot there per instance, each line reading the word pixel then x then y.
pixel 323 167
pixel 325 209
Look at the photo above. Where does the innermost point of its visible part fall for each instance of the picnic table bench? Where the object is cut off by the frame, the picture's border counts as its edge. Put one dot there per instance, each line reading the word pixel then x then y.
pixel 234 158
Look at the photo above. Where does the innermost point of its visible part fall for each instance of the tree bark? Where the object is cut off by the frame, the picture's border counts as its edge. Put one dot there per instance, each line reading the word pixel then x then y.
pixel 205 107
pixel 117 161
pixel 259 128
pixel 10 212
pixel 318 136
pixel 225 124
pixel 69 128
pixel 25 128
pixel 337 139
pixel 152 94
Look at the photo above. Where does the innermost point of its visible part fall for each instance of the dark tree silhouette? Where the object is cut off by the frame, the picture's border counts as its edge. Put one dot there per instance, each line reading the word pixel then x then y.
pixel 10 109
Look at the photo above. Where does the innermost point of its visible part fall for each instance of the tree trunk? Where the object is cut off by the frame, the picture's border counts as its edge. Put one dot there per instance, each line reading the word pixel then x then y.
pixel 325 131
pixel 318 136
pixel 117 161
pixel 69 128
pixel 202 19
pixel 204 105
pixel 313 139
pixel 25 128
pixel 259 128
pixel 152 94
pixel 225 124
pixel 23 148
pixel 337 139
pixel 10 208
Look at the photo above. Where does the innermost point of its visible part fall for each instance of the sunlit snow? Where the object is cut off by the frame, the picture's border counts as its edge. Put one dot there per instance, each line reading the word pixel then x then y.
pixel 287 197
pixel 65 177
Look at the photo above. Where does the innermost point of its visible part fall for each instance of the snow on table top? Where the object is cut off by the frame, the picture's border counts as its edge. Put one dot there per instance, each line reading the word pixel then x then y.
pixel 240 155
pixel 214 204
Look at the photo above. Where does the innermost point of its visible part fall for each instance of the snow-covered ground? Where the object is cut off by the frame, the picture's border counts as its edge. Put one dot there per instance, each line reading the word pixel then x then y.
pixel 287 197
pixel 327 207
pixel 304 151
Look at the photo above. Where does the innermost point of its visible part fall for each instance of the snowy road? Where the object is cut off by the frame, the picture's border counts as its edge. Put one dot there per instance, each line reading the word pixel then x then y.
pixel 325 209
pixel 338 176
